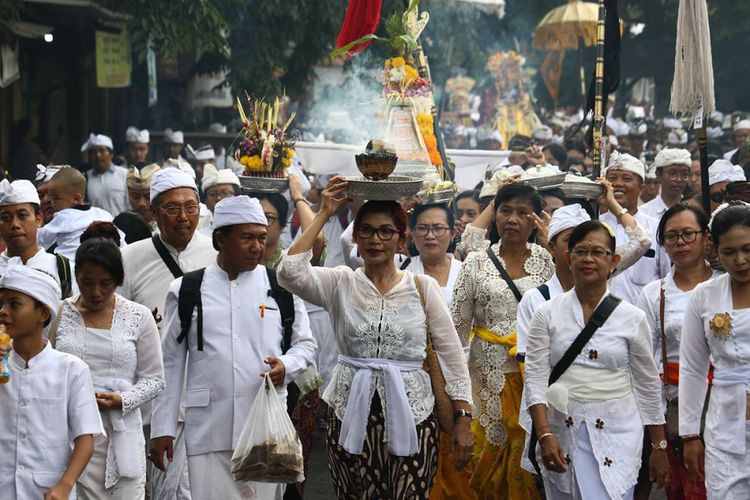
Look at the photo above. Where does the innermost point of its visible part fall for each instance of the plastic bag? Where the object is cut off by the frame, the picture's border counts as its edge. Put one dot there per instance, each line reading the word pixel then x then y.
pixel 268 450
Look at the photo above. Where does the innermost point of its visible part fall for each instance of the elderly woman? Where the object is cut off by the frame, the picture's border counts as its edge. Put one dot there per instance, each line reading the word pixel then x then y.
pixel 591 390
pixel 683 231
pixel 120 343
pixel 382 328
pixel 485 304
pixel 716 330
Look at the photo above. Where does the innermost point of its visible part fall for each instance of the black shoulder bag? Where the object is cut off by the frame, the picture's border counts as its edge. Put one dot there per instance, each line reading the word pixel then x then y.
pixel 166 256
pixel 513 288
pixel 597 319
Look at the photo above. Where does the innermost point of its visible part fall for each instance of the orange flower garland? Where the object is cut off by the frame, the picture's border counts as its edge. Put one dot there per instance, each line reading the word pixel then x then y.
pixel 426 126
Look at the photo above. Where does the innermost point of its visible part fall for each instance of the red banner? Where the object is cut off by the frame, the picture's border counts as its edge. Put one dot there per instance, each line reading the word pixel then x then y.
pixel 362 17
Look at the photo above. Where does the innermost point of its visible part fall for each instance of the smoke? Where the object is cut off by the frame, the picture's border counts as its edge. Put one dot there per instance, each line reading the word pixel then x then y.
pixel 347 104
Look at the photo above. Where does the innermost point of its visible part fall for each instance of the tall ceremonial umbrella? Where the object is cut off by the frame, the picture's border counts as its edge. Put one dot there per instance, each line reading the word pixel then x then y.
pixel 569 27
pixel 693 84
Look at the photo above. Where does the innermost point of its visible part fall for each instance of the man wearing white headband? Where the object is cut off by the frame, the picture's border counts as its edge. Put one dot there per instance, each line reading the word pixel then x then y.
pixel 136 149
pixel 721 173
pixel 673 173
pixel 43 176
pixel 627 175
pixel 199 158
pixel 150 265
pixel 48 408
pixel 20 216
pixel 105 181
pixel 740 137
pixel 174 140
pixel 236 336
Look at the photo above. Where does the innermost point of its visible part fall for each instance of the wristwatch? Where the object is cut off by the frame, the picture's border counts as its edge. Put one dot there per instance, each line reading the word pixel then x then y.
pixel 661 445
pixel 621 212
pixel 462 413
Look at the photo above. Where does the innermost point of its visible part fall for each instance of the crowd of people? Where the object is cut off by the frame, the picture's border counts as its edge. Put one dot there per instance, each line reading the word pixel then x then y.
pixel 512 344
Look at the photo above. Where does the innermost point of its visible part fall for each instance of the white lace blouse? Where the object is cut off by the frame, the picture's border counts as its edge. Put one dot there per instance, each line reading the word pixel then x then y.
pixel 369 324
pixel 481 297
pixel 135 360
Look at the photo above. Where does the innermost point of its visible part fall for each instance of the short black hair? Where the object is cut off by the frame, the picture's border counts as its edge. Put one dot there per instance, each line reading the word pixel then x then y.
pixel 555 193
pixel 420 209
pixel 522 191
pixel 279 203
pixel 736 214
pixel 39 304
pixel 471 193
pixel 133 225
pixel 683 206
pixel 582 230
pixel 225 230
pixel 98 247
pixel 558 152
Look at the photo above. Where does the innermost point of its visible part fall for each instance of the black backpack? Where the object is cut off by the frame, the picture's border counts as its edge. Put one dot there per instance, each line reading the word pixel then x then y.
pixel 189 299
pixel 63 272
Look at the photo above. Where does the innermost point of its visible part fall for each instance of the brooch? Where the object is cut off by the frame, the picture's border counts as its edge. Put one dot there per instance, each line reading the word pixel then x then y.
pixel 721 325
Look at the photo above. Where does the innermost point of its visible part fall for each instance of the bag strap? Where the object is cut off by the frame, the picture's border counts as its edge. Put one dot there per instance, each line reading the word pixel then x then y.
pixel 663 333
pixel 285 301
pixel 420 290
pixel 597 319
pixel 513 288
pixel 166 256
pixel 52 332
pixel 188 299
pixel 544 290
pixel 63 272
pixel 405 264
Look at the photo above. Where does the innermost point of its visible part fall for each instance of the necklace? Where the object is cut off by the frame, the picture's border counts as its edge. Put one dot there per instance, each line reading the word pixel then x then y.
pixel 99 319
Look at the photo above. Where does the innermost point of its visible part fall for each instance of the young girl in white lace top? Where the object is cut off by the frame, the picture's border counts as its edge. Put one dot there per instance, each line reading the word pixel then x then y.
pixel 119 341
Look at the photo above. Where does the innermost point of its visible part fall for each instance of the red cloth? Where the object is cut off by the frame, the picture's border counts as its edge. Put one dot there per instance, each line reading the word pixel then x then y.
pixel 362 17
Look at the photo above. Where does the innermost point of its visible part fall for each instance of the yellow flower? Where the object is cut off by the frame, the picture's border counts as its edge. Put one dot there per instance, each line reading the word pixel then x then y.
pixel 397 62
pixel 286 158
pixel 721 324
pixel 252 163
pixel 411 73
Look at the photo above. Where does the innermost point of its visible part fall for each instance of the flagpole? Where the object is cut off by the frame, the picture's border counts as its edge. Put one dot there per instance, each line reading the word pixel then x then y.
pixel 597 152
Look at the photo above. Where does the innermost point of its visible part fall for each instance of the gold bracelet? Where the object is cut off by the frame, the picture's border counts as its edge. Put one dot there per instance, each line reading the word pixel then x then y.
pixel 690 437
pixel 546 434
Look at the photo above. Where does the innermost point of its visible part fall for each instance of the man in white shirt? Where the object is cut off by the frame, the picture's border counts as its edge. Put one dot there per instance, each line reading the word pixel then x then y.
pixel 740 137
pixel 627 174
pixel 199 158
pixel 20 216
pixel 136 149
pixel 174 141
pixel 174 204
pixel 105 182
pixel 139 193
pixel 216 185
pixel 234 339
pixel 673 173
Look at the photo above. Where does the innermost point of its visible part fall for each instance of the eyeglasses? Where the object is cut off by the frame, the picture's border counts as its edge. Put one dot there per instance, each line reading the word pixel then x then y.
pixel 174 210
pixel 272 219
pixel 597 253
pixel 384 233
pixel 671 239
pixel 220 195
pixel 437 231
pixel 718 196
pixel 678 176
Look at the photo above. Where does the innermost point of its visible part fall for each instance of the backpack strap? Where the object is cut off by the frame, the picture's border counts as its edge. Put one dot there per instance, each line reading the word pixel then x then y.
pixel 597 319
pixel 63 272
pixel 166 257
pixel 285 300
pixel 405 264
pixel 544 290
pixel 188 299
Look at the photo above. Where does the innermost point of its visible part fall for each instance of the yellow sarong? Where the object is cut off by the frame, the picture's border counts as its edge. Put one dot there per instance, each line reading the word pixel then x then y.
pixel 496 470
pixel 510 340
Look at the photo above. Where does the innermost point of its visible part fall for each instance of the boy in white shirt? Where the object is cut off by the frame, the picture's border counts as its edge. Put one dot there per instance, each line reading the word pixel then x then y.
pixel 47 408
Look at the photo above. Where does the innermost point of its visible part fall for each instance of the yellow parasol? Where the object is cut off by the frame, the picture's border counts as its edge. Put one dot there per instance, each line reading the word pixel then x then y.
pixel 570 26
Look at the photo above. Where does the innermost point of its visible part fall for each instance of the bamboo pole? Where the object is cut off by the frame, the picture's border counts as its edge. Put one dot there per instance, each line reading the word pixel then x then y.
pixel 598 94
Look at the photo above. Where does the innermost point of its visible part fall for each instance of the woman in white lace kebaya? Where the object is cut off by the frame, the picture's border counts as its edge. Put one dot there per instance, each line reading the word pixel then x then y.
pixel 382 435
pixel 119 341
pixel 589 422
pixel 484 311
pixel 716 330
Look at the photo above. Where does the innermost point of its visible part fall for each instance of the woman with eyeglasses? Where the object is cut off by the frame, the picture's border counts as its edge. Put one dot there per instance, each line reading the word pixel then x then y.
pixel 381 327
pixel 589 421
pixel 484 309
pixel 683 232
pixel 716 331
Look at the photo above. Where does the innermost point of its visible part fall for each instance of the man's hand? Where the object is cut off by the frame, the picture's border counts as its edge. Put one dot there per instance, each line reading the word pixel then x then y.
pixel 160 446
pixel 277 371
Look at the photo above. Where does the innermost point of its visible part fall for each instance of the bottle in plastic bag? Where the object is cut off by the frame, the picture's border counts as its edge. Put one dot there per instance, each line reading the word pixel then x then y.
pixel 268 449
pixel 4 366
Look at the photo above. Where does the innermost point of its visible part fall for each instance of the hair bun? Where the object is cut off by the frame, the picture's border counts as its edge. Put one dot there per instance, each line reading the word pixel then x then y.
pixel 101 229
